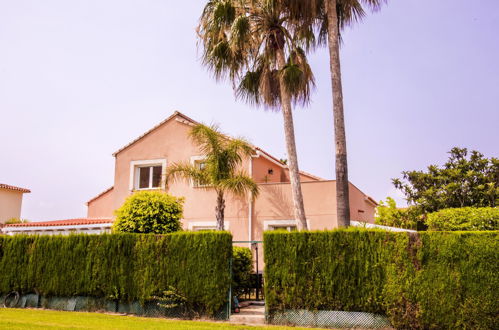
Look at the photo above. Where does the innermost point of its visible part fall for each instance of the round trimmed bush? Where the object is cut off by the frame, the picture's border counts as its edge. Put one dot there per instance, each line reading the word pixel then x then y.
pixel 153 212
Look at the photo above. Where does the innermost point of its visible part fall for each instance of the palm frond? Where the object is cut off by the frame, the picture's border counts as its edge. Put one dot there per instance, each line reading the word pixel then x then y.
pixel 186 171
pixel 298 77
pixel 207 138
pixel 240 185
pixel 249 87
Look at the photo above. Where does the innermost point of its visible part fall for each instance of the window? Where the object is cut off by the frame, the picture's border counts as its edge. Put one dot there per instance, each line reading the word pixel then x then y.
pixel 149 177
pixel 200 163
pixel 206 225
pixel 147 174
pixel 284 227
pixel 289 225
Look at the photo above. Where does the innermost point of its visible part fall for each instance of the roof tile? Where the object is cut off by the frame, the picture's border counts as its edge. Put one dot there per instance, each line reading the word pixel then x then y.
pixel 67 222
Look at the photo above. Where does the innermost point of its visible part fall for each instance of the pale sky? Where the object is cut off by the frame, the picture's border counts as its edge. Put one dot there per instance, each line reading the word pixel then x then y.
pixel 80 79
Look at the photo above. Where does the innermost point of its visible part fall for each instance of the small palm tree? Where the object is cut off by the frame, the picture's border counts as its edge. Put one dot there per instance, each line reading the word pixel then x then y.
pixel 251 43
pixel 329 17
pixel 219 170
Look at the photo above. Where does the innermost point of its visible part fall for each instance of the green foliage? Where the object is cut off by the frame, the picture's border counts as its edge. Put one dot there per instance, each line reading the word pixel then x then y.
pixel 335 270
pixel 388 214
pixel 444 280
pixel 221 170
pixel 15 220
pixel 149 212
pixel 428 280
pixel 462 181
pixel 172 298
pixel 254 44
pixel 465 218
pixel 123 267
pixel 242 267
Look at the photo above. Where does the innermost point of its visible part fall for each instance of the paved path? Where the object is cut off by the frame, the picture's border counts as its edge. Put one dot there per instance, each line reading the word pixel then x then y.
pixel 251 315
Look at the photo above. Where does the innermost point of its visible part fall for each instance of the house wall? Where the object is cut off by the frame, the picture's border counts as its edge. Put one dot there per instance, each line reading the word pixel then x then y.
pixel 171 142
pixel 102 207
pixel 10 204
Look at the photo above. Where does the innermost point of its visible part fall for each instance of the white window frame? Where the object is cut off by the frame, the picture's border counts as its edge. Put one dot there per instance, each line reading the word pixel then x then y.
pixel 194 160
pixel 206 225
pixel 135 165
pixel 270 224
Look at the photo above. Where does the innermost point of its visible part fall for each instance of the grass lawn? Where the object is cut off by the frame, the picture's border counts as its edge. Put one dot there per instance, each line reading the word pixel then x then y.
pixel 12 318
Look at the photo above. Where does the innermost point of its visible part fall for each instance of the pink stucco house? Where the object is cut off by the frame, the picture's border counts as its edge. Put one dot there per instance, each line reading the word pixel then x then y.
pixel 142 163
pixel 11 198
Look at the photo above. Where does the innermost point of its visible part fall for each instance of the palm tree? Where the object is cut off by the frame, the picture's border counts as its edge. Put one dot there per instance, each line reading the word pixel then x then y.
pixel 251 43
pixel 219 170
pixel 330 17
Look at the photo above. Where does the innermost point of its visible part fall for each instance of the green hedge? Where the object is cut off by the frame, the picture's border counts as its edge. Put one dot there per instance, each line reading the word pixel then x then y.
pixel 123 267
pixel 242 267
pixel 464 218
pixel 420 280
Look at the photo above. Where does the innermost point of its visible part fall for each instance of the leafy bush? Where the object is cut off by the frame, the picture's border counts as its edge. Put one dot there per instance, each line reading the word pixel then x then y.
pixel 149 212
pixel 464 218
pixel 242 267
pixel 124 267
pixel 16 220
pixel 388 214
pixel 428 280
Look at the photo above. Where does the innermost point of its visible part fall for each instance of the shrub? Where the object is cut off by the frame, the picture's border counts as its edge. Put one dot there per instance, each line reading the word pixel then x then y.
pixel 388 214
pixel 124 267
pixel 149 212
pixel 428 280
pixel 242 267
pixel 15 220
pixel 464 218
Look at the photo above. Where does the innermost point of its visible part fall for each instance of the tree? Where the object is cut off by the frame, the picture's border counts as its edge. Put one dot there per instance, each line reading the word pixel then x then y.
pixel 252 43
pixel 149 212
pixel 466 179
pixel 219 170
pixel 330 17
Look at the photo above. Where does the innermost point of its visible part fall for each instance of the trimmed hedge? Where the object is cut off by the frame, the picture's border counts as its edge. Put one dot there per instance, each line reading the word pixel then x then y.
pixel 419 280
pixel 124 267
pixel 242 267
pixel 464 218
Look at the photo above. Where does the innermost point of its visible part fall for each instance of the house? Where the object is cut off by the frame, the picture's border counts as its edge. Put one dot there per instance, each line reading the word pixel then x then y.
pixel 11 199
pixel 142 163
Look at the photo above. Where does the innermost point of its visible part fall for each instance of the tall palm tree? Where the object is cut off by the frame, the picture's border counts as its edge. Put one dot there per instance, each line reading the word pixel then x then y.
pixel 330 17
pixel 219 170
pixel 251 43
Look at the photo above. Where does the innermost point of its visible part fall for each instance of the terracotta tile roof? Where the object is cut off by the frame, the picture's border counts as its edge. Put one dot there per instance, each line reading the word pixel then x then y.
pixel 9 187
pixel 99 195
pixel 68 222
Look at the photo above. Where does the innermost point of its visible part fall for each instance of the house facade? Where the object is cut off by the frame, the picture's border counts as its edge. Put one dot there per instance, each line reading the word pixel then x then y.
pixel 142 164
pixel 11 199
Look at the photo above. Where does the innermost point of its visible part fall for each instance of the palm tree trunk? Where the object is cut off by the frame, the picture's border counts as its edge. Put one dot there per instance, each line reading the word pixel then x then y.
pixel 289 133
pixel 220 210
pixel 342 197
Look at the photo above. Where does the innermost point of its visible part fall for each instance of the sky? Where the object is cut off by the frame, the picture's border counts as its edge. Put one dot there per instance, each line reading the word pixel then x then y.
pixel 80 79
